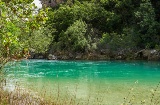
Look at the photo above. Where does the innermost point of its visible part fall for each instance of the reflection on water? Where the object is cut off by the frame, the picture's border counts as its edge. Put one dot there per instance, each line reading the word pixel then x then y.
pixel 108 82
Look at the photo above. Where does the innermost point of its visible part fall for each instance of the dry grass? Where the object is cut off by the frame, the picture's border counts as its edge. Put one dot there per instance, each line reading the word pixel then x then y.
pixel 19 97
pixel 26 97
pixel 153 100
pixel 22 96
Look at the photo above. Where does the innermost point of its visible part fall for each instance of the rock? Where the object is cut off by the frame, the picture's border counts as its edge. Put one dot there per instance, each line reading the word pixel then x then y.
pixel 78 56
pixel 105 52
pixel 65 57
pixel 142 54
pixel 119 57
pixel 71 56
pixel 38 56
pixel 154 55
pixel 148 54
pixel 51 57
pixel 93 56
pixel 31 55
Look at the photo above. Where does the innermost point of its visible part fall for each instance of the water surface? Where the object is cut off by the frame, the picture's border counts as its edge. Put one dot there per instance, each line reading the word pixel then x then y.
pixel 91 82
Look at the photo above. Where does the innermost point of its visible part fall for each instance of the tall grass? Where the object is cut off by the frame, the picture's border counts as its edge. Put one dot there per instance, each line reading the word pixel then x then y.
pixel 18 97
pixel 154 98
pixel 21 96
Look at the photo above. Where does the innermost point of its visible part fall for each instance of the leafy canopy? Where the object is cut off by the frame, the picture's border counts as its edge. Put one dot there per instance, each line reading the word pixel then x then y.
pixel 18 20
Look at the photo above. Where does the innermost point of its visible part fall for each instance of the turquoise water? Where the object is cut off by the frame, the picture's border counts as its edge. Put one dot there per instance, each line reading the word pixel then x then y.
pixel 105 82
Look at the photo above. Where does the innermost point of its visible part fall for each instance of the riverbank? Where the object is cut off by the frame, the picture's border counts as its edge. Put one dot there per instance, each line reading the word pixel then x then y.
pixel 127 54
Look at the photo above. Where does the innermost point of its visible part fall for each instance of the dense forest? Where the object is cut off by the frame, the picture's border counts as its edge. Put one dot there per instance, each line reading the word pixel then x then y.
pixel 99 26
pixel 85 29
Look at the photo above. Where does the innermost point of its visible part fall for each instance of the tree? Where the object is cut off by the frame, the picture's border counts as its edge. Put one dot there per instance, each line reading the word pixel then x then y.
pixel 74 38
pixel 18 19
pixel 145 25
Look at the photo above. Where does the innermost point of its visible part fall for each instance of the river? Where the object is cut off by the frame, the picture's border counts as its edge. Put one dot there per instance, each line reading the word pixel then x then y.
pixel 88 82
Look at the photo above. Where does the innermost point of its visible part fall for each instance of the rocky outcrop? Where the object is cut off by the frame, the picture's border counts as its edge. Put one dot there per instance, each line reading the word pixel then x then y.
pixel 121 54
pixel 124 54
pixel 51 57
pixel 78 56
pixel 37 56
pixel 148 54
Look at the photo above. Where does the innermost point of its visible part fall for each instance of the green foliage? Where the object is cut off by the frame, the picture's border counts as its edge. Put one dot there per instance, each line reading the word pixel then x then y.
pixel 112 40
pixel 39 40
pixel 89 12
pixel 117 41
pixel 114 24
pixel 105 38
pixel 74 37
pixel 145 25
pixel 64 18
pixel 17 21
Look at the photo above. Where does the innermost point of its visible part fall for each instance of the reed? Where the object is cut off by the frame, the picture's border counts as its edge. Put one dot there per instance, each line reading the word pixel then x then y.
pixel 21 96
pixel 154 98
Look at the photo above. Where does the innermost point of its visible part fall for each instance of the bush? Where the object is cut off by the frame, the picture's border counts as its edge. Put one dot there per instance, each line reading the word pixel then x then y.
pixel 74 38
